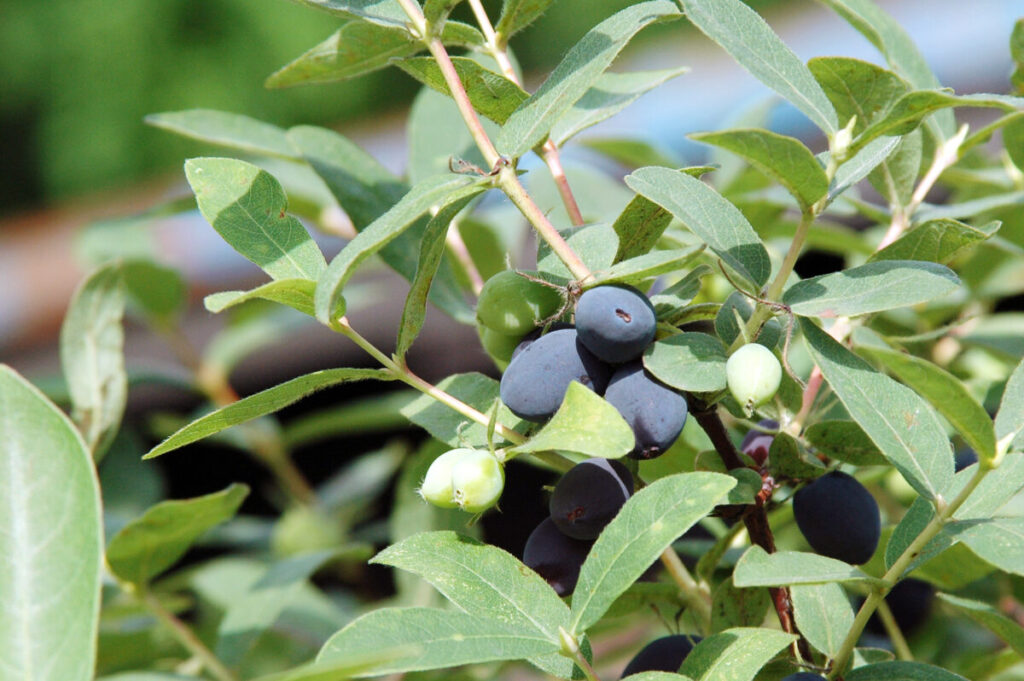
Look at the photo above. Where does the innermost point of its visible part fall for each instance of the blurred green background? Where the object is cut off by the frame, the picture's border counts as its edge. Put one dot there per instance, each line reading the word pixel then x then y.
pixel 78 76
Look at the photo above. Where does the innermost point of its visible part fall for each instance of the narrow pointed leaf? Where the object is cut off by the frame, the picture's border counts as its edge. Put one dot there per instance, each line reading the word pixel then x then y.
pixel 92 356
pixel 579 69
pixel 876 286
pixel 492 94
pixel 381 12
pixel 480 579
pixel 295 293
pixel 645 267
pixel 612 93
pixel 149 545
pixel 900 423
pixel 52 544
pixel 328 299
pixel 757 567
pixel 899 670
pixel 226 129
pixel 999 541
pixel 263 403
pixel 734 607
pixel 442 638
pixel 1010 417
pixel 708 215
pixel 860 166
pixel 357 48
pixel 857 88
pixel 990 618
pixel 936 241
pixel 946 393
pixel 518 14
pixel 734 654
pixel 432 248
pixel 247 207
pixel 844 441
pixel 784 159
pixel 823 614
pixel 752 43
pixel 648 523
pixel 584 424
pixel 693 362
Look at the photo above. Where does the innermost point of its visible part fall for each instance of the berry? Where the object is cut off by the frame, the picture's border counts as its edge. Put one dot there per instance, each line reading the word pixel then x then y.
pixel 588 496
pixel 753 375
pixel 655 412
pixel 964 458
pixel 555 557
pixel 804 676
pixel 616 323
pixel 536 379
pixel 477 480
pixel 537 333
pixel 511 304
pixel 499 346
pixel 756 443
pixel 437 483
pixel 910 602
pixel 665 654
pixel 838 517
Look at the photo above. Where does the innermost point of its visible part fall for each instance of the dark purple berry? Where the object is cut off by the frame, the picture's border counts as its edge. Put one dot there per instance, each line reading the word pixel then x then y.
pixel 756 444
pixel 655 412
pixel 838 517
pixel 555 557
pixel 616 323
pixel 665 654
pixel 588 496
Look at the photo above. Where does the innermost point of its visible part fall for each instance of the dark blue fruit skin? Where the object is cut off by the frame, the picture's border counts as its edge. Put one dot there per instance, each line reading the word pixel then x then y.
pixel 588 496
pixel 804 676
pixel 535 334
pixel 555 557
pixel 910 602
pixel 964 458
pixel 665 654
pixel 838 517
pixel 756 444
pixel 655 412
pixel 536 379
pixel 616 323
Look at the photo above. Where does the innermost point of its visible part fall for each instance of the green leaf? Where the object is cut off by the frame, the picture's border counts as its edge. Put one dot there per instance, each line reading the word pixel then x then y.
pixel 328 299
pixel 889 38
pixel 844 441
pixel 248 616
pixel 246 206
pixel 595 243
pixel 517 15
pixel 909 110
pixel 1010 417
pixel 432 249
pixel 612 93
pixel 295 293
pixel 729 328
pixel 862 163
pixel 645 526
pixel 226 129
pixel 900 423
pixel 734 655
pixel 442 638
pixel 857 88
pixel 757 567
pixel 448 425
pixel 149 545
pixel 487 581
pixel 784 159
pixel 492 94
pixel 708 215
pixel 990 618
pixel 694 362
pixel 263 403
pixel 901 671
pixel 584 424
pixel 936 241
pixel 823 614
pixel 786 459
pixel 945 392
pixel 999 541
pixel 381 12
pixel 734 607
pixel 657 676
pixel 160 293
pixel 1013 141
pixel 578 71
pixel 752 43
pixel 355 49
pixel 52 544
pixel 352 666
pixel 641 268
pixel 876 286
pixel 633 153
pixel 92 356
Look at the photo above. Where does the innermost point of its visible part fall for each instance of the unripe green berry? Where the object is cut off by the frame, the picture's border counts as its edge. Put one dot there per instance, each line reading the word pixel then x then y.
pixel 437 484
pixel 477 480
pixel 498 345
pixel 753 375
pixel 513 305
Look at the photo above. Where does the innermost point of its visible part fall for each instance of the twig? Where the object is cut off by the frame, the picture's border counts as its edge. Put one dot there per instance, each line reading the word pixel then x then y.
pixel 696 595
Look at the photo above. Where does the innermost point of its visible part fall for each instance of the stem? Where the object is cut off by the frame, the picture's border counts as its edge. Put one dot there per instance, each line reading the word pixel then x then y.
pixel 181 632
pixel 899 642
pixel 549 151
pixel 895 573
pixel 696 595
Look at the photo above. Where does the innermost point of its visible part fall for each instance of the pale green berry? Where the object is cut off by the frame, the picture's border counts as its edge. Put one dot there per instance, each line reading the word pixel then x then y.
pixel 437 484
pixel 753 375
pixel 477 480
